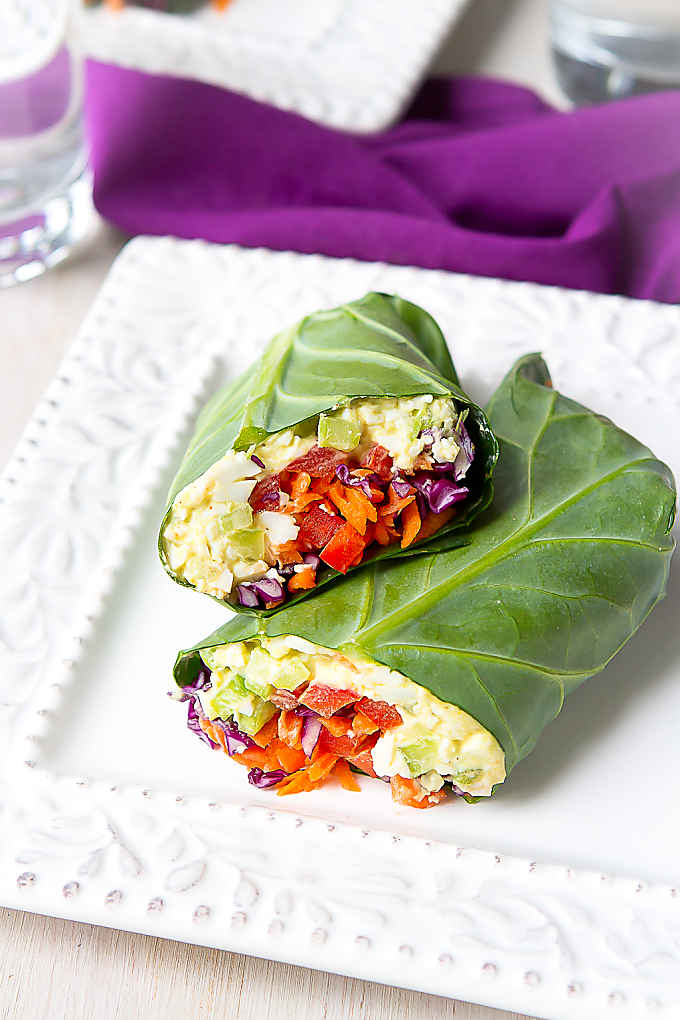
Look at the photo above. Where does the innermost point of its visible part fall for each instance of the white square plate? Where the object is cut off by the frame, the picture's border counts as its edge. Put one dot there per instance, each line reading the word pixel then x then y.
pixel 568 902
pixel 351 64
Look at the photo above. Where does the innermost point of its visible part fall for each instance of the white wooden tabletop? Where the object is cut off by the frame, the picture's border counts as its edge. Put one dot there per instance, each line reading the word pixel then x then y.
pixel 58 970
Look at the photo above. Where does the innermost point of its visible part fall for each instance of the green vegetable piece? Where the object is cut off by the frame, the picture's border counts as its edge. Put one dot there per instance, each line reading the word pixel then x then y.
pixel 560 572
pixel 248 544
pixel 291 673
pixel 261 670
pixel 338 433
pixel 421 755
pixel 261 714
pixel 237 517
pixel 258 686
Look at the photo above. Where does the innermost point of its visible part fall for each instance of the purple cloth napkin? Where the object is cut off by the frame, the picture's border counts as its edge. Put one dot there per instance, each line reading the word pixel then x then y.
pixel 480 177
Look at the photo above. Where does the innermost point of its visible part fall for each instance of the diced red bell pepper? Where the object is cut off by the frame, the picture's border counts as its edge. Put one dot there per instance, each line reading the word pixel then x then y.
pixel 345 746
pixel 378 460
pixel 317 528
pixel 344 549
pixel 380 712
pixel 319 462
pixel 266 495
pixel 326 701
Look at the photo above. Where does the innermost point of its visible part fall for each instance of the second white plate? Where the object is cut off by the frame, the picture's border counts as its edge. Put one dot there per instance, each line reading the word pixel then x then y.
pixel 351 64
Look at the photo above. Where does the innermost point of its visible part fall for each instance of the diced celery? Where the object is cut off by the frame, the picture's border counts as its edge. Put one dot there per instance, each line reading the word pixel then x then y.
pixel 464 778
pixel 248 544
pixel 338 433
pixel 262 713
pixel 421 755
pixel 258 686
pixel 236 517
pixel 261 669
pixel 291 673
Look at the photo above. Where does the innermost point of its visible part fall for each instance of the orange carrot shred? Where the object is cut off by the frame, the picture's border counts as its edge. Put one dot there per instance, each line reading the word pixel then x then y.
pixel 267 732
pixel 297 783
pixel 322 766
pixel 300 483
pixel 343 772
pixel 290 728
pixel 411 522
pixel 302 579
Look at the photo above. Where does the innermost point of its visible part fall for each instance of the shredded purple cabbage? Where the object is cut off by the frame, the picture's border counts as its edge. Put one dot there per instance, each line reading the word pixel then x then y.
pixel 287 570
pixel 465 455
pixel 311 560
pixel 256 460
pixel 236 741
pixel 195 713
pixel 401 487
pixel 311 731
pixel 363 482
pixel 440 493
pixel 265 780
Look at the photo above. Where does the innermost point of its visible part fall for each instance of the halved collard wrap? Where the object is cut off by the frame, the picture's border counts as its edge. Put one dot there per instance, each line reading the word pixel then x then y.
pixel 445 668
pixel 349 440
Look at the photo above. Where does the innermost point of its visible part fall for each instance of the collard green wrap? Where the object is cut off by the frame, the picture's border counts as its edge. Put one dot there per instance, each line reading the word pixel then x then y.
pixel 560 572
pixel 378 346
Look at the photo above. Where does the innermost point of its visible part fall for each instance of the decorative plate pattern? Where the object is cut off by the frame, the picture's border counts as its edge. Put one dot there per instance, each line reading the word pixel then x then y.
pixel 545 939
pixel 351 64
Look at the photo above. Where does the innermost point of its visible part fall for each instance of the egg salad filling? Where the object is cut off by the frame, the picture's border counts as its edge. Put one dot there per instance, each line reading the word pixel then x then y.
pixel 296 713
pixel 265 523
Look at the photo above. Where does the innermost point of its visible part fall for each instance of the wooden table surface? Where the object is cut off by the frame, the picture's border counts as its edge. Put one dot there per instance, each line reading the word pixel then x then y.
pixel 52 969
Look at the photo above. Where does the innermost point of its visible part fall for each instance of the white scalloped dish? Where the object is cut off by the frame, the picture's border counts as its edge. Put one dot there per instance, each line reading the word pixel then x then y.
pixel 351 64
pixel 566 908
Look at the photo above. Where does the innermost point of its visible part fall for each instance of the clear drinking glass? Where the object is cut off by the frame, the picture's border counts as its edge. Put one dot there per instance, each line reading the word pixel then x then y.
pixel 45 187
pixel 607 49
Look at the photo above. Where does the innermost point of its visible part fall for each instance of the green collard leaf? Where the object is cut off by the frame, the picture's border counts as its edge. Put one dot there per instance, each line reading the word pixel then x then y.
pixel 558 574
pixel 378 346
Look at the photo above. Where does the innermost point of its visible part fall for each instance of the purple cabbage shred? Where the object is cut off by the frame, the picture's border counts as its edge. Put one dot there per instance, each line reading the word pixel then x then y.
pixel 256 460
pixel 265 780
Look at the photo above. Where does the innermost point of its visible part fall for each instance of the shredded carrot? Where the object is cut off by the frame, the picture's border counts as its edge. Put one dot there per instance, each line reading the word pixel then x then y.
pixel 288 553
pixel 289 758
pixel 411 521
pixel 300 483
pixel 322 766
pixel 302 579
pixel 343 772
pixel 214 732
pixel 433 522
pixel 253 757
pixel 394 504
pixel 361 503
pixel 382 536
pixel 301 502
pixel 290 729
pixel 320 485
pixel 337 725
pixel 362 724
pixel 297 783
pixel 268 731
